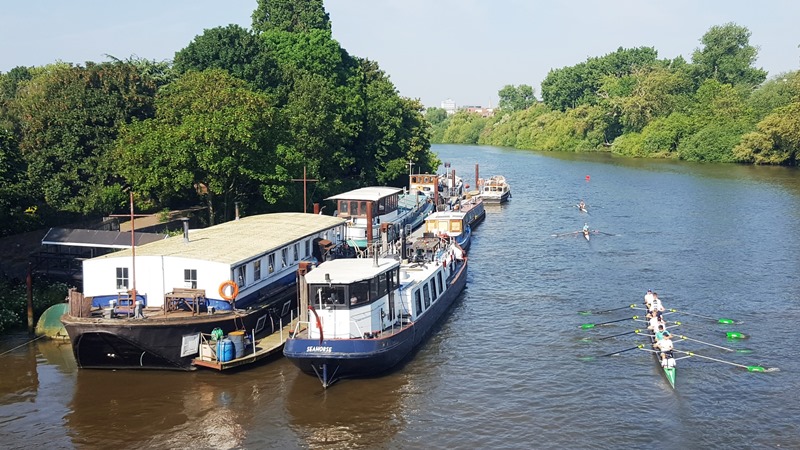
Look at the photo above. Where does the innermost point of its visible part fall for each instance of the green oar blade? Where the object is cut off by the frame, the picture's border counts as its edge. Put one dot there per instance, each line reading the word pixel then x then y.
pixel 727 321
pixel 756 369
pixel 586 326
pixel 735 335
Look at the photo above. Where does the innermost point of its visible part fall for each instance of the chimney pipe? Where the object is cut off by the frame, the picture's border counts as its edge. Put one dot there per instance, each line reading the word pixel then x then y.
pixel 185 229
pixel 236 207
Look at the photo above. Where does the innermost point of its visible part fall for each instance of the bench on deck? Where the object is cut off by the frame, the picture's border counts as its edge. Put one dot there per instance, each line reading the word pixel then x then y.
pixel 191 298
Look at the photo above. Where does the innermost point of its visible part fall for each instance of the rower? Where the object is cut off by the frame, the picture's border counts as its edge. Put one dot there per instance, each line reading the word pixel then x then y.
pixel 585 228
pixel 582 206
pixel 653 322
pixel 656 305
pixel 662 333
pixel 667 357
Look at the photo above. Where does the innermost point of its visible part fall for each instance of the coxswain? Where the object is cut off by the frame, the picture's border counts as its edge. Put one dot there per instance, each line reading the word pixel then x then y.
pixel 648 298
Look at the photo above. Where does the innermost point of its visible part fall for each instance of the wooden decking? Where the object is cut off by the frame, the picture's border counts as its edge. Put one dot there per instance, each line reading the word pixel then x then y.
pixel 262 348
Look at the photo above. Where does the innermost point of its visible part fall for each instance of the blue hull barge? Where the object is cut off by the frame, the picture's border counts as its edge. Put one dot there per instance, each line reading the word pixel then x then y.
pixel 367 315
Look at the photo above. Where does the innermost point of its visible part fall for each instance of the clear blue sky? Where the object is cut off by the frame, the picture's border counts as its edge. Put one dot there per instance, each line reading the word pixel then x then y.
pixel 466 50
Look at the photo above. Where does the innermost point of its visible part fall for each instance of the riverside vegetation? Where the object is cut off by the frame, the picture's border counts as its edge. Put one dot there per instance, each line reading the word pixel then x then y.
pixel 716 108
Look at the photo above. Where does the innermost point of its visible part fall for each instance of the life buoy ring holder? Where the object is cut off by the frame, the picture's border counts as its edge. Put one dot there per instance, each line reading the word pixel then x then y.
pixel 234 290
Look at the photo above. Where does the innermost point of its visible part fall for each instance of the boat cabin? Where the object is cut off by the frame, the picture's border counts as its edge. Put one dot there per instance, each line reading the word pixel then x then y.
pixel 450 223
pixel 373 201
pixel 354 297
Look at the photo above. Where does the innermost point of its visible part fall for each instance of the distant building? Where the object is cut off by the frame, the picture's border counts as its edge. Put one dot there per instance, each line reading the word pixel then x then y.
pixel 483 112
pixel 449 106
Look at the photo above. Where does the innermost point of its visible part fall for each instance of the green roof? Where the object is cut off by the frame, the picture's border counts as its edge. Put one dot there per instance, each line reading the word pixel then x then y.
pixel 238 240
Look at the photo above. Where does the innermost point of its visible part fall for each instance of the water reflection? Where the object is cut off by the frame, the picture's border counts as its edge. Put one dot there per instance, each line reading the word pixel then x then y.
pixel 365 412
pixel 159 409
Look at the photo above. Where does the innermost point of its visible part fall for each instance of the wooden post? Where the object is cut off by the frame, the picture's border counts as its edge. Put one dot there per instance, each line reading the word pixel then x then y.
pixel 29 283
pixel 304 180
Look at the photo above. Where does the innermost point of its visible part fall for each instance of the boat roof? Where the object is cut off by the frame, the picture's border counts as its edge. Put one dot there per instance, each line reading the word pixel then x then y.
pixel 350 270
pixel 446 215
pixel 97 238
pixel 238 240
pixel 371 193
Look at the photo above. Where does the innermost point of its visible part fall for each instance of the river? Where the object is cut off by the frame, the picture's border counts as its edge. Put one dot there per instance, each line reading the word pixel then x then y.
pixel 510 367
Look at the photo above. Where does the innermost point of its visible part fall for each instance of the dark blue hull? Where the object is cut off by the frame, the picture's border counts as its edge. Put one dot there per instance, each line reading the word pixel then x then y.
pixel 333 359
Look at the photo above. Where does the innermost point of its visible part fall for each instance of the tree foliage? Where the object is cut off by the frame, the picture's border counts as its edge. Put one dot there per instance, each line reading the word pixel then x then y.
pixel 516 98
pixel 211 134
pixel 290 15
pixel 727 56
pixel 243 54
pixel 70 119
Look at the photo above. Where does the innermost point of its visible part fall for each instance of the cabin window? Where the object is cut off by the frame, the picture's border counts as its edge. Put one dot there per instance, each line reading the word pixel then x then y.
pixel 343 210
pixel 307 248
pixel 122 278
pixel 330 296
pixel 271 261
pixel 241 275
pixel 426 294
pixel 359 293
pixel 257 270
pixel 439 279
pixel 418 301
pixel 433 290
pixel 284 257
pixel 383 284
pixel 296 252
pixel 190 278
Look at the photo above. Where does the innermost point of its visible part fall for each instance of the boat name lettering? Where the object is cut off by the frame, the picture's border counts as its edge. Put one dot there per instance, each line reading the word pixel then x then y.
pixel 319 349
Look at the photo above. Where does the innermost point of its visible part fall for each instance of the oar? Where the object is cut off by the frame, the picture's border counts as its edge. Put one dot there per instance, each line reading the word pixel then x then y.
pixel 586 313
pixel 620 334
pixel 720 320
pixel 749 368
pixel 741 350
pixel 586 326
pixel 626 350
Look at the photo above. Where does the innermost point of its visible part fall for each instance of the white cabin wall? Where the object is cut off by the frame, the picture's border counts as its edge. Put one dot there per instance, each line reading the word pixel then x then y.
pixel 100 277
pixel 209 275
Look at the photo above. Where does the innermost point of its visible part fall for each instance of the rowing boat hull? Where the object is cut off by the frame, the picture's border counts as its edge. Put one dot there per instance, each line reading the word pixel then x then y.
pixel 669 372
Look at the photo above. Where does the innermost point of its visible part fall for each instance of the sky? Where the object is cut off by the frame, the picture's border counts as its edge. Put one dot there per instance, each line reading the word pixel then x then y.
pixel 432 50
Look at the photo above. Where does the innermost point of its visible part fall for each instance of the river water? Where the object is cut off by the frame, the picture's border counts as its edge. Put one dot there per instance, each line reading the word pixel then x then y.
pixel 509 368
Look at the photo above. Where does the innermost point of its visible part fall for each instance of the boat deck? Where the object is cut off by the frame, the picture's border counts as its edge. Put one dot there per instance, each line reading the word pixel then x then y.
pixel 262 348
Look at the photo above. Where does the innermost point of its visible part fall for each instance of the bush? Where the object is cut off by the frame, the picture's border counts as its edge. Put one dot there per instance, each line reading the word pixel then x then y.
pixel 14 301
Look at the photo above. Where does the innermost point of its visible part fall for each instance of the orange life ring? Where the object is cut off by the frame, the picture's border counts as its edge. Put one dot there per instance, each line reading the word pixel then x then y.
pixel 234 290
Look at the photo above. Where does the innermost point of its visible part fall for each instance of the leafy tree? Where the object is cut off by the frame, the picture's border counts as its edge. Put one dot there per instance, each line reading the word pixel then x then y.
pixel 243 54
pixel 435 116
pixel 569 87
pixel 290 15
pixel 211 134
pixel 516 98
pixel 71 116
pixel 776 140
pixel 727 56
pixel 775 93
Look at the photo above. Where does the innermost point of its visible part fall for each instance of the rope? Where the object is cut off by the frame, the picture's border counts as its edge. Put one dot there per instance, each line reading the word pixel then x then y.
pixel 22 345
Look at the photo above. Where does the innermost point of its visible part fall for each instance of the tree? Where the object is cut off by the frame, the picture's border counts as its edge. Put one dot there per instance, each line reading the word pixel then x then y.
pixel 435 116
pixel 212 135
pixel 569 87
pixel 243 54
pixel 516 98
pixel 727 56
pixel 291 16
pixel 776 140
pixel 71 115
